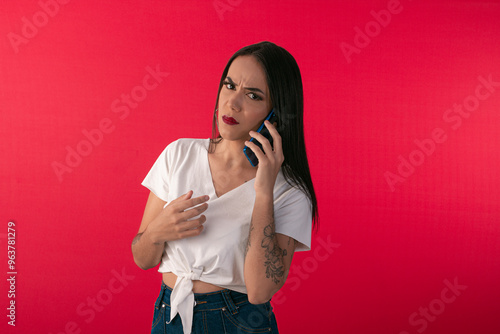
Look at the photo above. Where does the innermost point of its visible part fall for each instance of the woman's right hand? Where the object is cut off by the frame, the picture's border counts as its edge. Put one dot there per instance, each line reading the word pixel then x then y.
pixel 175 220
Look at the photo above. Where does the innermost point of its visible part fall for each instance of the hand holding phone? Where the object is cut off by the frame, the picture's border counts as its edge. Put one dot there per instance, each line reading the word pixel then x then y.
pixel 254 161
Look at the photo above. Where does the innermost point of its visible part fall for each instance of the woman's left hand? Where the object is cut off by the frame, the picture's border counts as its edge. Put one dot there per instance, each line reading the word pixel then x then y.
pixel 270 162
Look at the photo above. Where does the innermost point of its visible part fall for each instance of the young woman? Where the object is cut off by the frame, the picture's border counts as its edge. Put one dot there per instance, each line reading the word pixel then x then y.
pixel 223 231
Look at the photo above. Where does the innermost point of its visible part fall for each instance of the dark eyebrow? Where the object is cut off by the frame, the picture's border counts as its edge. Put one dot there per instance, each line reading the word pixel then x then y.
pixel 247 88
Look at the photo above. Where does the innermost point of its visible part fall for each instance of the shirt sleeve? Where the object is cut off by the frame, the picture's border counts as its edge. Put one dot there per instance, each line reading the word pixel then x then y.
pixel 293 217
pixel 157 179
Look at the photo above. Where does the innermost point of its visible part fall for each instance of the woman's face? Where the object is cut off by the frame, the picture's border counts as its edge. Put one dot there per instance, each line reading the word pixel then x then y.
pixel 244 100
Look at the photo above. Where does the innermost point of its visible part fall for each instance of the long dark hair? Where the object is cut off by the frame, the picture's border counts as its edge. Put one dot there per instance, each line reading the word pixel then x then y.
pixel 285 87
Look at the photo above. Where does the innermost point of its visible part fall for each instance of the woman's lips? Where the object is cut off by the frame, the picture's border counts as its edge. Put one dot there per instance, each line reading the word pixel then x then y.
pixel 229 120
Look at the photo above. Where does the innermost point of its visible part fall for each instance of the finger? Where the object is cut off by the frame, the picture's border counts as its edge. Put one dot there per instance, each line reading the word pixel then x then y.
pixel 196 201
pixel 266 145
pixel 276 137
pixel 194 230
pixel 192 233
pixel 183 197
pixel 193 212
pixel 256 150
pixel 192 224
pixel 183 205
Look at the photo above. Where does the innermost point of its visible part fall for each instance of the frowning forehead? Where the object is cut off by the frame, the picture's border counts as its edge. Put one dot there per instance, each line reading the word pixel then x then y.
pixel 246 72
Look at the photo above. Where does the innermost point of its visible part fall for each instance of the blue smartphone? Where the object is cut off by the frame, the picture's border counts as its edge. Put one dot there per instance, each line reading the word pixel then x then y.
pixel 254 161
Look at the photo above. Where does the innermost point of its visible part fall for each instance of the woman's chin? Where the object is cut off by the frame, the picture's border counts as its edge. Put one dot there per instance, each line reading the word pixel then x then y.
pixel 233 138
pixel 232 135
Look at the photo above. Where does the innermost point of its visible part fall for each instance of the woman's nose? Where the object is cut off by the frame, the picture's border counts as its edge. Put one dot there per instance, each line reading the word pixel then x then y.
pixel 235 101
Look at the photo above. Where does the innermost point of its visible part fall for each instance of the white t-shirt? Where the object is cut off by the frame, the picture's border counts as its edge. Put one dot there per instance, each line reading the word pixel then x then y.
pixel 216 256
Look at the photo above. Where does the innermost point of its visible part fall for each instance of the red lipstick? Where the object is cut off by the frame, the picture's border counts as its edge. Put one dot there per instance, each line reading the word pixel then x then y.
pixel 229 120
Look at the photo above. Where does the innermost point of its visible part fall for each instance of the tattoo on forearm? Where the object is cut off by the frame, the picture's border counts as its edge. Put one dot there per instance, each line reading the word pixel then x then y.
pixel 275 268
pixel 136 238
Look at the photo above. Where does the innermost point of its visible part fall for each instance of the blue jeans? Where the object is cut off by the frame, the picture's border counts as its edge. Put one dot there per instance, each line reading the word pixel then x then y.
pixel 224 312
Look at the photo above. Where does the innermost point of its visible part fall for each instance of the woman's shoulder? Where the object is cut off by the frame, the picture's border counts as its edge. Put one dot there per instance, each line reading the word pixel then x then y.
pixel 184 149
pixel 287 189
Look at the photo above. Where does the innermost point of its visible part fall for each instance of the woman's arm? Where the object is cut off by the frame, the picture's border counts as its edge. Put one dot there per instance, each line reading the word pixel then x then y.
pixel 268 254
pixel 160 225
pixel 146 251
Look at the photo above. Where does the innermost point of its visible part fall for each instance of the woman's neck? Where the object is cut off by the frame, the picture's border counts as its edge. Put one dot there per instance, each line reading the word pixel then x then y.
pixel 230 154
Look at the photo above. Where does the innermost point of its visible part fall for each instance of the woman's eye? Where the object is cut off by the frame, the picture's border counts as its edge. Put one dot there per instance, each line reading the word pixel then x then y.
pixel 228 85
pixel 254 96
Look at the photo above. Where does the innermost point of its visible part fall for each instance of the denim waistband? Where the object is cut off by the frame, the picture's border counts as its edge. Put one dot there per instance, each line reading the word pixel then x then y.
pixel 208 301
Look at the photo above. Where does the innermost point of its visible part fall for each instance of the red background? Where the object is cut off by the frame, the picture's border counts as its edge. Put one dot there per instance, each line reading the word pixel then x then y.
pixel 391 249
